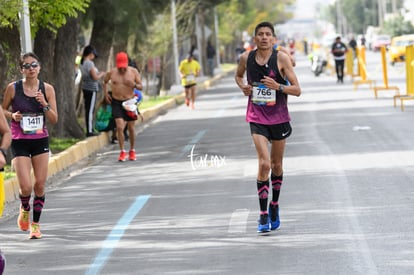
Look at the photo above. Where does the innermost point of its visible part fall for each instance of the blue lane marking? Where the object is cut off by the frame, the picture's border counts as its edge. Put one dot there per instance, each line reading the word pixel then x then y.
pixel 116 234
pixel 193 141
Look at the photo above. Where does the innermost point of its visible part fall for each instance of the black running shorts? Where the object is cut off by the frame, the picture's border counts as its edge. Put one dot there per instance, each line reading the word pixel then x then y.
pixel 29 147
pixel 119 112
pixel 190 85
pixel 271 132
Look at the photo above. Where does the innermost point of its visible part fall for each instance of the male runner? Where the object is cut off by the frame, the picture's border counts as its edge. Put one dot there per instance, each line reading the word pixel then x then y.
pixel 268 115
pixel 123 79
pixel 189 70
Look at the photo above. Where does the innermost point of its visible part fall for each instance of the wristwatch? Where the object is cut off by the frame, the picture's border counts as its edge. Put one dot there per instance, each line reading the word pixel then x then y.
pixel 3 151
pixel 281 88
pixel 46 108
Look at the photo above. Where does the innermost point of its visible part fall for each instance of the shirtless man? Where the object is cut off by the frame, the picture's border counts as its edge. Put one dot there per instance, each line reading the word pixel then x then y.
pixel 123 79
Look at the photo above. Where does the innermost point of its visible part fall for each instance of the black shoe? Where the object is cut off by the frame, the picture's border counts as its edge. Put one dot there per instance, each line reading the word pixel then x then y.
pixel 114 140
pixel 93 134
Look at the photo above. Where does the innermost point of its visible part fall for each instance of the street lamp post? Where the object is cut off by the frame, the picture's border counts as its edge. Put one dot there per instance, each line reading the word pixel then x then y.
pixel 216 30
pixel 25 36
pixel 339 16
pixel 175 43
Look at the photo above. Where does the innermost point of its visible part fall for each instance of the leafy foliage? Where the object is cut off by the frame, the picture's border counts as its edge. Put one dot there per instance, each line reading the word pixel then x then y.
pixel 244 15
pixel 360 14
pixel 51 14
pixel 398 26
pixel 9 10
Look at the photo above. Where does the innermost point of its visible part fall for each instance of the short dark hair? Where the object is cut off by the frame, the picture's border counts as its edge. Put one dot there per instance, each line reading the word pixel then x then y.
pixel 87 51
pixel 26 55
pixel 264 25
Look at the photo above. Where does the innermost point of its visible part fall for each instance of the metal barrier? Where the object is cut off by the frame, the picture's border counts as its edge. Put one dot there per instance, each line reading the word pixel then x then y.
pixel 362 68
pixel 409 71
pixel 350 64
pixel 385 76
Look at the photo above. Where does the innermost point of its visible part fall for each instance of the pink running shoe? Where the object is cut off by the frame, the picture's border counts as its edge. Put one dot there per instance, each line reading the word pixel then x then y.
pixel 23 219
pixel 35 231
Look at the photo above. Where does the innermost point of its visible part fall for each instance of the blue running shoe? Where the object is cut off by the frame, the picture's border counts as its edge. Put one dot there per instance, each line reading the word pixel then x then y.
pixel 274 217
pixel 264 224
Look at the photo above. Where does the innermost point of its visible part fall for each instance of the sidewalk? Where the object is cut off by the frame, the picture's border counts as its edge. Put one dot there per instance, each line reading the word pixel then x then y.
pixel 82 149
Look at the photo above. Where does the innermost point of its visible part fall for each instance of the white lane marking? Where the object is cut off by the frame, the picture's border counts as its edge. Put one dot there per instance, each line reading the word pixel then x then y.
pixel 238 221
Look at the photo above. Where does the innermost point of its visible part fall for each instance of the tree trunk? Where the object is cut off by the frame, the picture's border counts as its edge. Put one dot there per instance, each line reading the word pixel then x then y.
pixel 64 75
pixel 103 31
pixel 44 48
pixel 202 51
pixel 9 56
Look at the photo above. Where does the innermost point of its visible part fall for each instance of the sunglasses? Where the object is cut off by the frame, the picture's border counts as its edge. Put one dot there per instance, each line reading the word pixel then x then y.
pixel 27 65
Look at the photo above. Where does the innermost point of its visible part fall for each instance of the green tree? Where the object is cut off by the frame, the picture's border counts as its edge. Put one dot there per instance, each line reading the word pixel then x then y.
pixel 398 26
pixel 355 14
pixel 360 14
pixel 244 15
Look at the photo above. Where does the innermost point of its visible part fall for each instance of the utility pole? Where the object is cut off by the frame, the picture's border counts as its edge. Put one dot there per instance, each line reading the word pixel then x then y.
pixel 394 7
pixel 25 35
pixel 381 12
pixel 216 31
pixel 338 16
pixel 175 43
pixel 199 44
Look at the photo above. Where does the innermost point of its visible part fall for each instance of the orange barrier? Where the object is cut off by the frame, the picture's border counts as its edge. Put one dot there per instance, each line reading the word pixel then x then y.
pixel 409 71
pixel 362 68
pixel 385 76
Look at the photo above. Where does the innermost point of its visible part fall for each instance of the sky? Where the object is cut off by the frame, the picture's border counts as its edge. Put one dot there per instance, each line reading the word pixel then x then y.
pixel 305 9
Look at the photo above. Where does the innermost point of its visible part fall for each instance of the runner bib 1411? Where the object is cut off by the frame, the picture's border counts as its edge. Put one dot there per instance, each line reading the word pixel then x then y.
pixel 32 123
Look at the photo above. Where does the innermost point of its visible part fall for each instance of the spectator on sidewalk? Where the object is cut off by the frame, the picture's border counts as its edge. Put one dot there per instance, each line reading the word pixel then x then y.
pixel 90 86
pixel 104 121
pixel 211 53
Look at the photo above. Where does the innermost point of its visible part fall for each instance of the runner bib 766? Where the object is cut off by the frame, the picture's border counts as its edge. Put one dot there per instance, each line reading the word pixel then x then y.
pixel 262 95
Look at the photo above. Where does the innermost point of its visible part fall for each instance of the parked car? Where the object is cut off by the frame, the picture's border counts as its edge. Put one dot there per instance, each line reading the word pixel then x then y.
pixel 397 48
pixel 381 40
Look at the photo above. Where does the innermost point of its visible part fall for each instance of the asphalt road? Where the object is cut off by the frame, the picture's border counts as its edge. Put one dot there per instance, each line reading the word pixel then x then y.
pixel 188 205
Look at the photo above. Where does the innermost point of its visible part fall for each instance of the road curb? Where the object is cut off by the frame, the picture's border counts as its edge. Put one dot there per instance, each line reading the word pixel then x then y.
pixel 86 147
